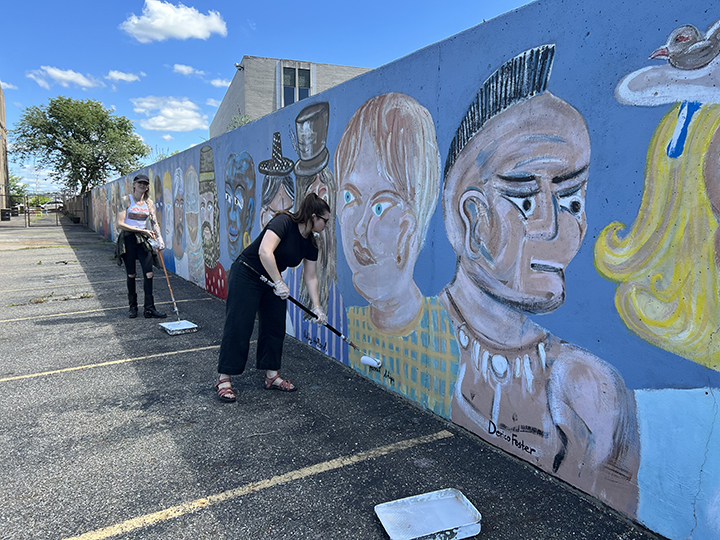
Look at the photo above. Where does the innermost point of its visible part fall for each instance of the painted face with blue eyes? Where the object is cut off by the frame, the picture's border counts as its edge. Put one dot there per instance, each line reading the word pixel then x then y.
pixel 374 223
pixel 531 169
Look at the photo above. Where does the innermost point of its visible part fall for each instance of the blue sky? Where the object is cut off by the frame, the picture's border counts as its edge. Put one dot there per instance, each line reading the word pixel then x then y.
pixel 166 65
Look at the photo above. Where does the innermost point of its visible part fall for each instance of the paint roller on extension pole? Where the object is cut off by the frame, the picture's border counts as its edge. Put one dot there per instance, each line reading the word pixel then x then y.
pixel 179 326
pixel 367 360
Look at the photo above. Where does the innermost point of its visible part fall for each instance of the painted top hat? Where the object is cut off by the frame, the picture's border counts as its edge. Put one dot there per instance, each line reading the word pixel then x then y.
pixel 311 126
pixel 277 165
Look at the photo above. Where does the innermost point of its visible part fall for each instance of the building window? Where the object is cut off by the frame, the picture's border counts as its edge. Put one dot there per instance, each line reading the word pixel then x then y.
pixel 303 83
pixel 296 85
pixel 288 86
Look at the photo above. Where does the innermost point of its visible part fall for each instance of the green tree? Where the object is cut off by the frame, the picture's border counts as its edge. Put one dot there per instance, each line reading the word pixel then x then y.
pixel 238 120
pixel 158 154
pixel 18 190
pixel 80 141
pixel 37 200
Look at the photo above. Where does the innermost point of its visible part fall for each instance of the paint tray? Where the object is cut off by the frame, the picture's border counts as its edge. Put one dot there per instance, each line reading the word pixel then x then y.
pixel 439 514
pixel 179 327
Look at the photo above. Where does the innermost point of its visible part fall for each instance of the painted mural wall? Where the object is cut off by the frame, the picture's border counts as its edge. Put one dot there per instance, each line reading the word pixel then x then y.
pixel 524 229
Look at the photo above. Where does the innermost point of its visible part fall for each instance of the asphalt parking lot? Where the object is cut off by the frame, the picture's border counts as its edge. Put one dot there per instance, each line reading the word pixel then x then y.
pixel 110 428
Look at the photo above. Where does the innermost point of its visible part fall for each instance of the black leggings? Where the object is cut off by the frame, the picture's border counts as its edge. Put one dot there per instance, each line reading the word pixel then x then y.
pixel 248 296
pixel 134 251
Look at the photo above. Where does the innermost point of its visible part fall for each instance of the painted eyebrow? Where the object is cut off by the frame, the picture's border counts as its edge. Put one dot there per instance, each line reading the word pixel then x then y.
pixel 525 177
pixel 570 176
pixel 532 177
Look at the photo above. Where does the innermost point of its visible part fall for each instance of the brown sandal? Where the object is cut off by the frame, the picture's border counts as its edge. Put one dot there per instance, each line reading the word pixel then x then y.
pixel 283 386
pixel 226 393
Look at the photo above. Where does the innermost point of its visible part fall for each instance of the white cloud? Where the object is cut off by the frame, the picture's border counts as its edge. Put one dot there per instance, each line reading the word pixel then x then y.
pixel 167 137
pixel 121 76
pixel 169 114
pixel 187 70
pixel 64 77
pixel 37 76
pixel 252 25
pixel 8 86
pixel 220 83
pixel 163 20
pixel 213 102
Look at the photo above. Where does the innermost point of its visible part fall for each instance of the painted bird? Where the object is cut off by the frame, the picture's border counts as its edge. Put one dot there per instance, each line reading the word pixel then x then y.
pixel 688 48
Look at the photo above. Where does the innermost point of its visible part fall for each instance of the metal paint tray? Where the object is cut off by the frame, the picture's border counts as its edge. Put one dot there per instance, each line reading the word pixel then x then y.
pixel 442 514
pixel 179 327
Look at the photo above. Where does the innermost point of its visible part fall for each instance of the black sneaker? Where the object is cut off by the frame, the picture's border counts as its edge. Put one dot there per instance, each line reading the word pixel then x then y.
pixel 152 313
pixel 133 312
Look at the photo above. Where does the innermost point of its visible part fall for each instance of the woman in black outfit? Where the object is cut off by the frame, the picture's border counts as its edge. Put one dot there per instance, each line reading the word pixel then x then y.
pixel 133 243
pixel 286 241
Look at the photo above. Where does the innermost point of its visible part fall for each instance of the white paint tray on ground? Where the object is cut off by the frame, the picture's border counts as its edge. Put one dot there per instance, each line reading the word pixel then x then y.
pixel 179 327
pixel 439 514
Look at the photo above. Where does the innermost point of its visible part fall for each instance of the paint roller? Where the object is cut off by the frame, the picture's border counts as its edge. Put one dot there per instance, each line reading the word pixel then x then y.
pixel 367 360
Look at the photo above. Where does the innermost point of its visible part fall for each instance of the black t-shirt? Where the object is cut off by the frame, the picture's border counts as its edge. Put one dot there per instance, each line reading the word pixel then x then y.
pixel 291 250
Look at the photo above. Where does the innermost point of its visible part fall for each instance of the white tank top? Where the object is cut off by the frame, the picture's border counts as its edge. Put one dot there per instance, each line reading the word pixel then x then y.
pixel 137 214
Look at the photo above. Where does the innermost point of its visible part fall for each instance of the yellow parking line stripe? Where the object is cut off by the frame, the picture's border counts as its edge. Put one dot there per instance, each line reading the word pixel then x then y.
pixel 109 363
pixel 57 285
pixel 205 502
pixel 93 311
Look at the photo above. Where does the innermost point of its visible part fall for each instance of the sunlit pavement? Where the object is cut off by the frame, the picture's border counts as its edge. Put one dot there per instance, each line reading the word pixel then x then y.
pixel 110 428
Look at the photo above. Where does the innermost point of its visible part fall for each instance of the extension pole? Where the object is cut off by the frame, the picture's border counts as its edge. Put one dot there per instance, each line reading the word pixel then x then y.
pixel 303 307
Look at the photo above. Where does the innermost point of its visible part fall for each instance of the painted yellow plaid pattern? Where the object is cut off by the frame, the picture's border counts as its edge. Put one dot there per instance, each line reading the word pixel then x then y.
pixel 422 365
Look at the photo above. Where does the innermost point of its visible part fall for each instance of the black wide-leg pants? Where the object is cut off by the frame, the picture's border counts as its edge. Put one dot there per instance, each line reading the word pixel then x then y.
pixel 247 296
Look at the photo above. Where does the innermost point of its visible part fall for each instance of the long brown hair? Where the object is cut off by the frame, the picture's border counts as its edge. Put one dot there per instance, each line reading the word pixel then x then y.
pixel 311 204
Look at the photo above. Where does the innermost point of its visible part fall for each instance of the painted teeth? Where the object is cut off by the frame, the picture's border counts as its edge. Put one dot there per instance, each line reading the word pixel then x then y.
pixel 485 358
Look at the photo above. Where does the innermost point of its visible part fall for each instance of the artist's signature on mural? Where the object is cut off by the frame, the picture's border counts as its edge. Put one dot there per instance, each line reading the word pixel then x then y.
pixel 384 373
pixel 511 438
pixel 315 341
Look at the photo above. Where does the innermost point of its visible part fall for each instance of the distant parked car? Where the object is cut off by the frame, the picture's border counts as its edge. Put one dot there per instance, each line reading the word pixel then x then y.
pixel 52 206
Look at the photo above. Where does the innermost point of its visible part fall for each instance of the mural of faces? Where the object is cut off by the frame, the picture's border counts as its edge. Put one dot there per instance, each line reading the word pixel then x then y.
pixel 375 221
pixel 192 208
pixel 179 214
pixel 520 218
pixel 168 209
pixel 283 198
pixel 208 219
pixel 388 167
pixel 239 201
pixel 159 201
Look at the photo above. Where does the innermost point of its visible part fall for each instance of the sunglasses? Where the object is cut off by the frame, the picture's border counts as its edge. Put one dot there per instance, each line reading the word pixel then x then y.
pixel 325 220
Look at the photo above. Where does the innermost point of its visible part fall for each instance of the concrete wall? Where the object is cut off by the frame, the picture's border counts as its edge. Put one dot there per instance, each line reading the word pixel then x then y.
pixel 525 233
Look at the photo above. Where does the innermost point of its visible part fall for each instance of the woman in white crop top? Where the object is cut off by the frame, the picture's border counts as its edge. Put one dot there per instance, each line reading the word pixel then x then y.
pixel 137 225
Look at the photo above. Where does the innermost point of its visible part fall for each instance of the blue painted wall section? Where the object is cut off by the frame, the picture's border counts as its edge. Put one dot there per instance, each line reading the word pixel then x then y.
pixel 524 230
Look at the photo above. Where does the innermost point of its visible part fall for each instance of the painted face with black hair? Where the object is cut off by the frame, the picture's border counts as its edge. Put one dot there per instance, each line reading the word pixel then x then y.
pixel 521 207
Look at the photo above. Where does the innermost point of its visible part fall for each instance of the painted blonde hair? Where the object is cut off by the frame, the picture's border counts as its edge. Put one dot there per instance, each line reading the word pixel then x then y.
pixel 403 135
pixel 668 292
